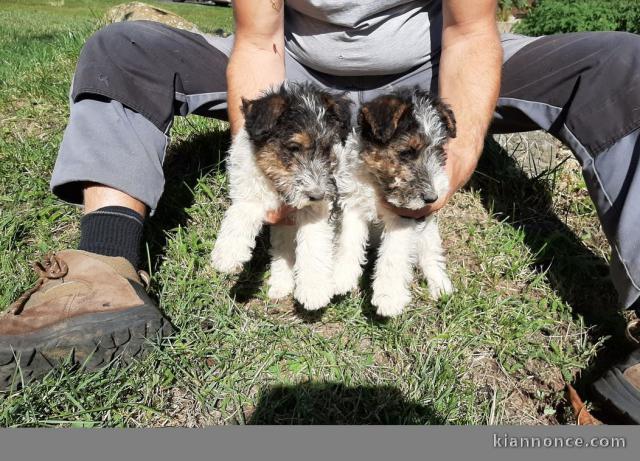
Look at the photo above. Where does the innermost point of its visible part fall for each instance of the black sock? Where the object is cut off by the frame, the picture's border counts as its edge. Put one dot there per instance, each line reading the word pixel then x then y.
pixel 112 231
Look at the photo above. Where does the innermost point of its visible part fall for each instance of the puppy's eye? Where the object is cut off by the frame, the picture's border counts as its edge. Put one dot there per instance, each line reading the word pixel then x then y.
pixel 293 147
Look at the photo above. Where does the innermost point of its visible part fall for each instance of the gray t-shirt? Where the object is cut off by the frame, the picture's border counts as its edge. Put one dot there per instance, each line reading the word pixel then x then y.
pixel 363 37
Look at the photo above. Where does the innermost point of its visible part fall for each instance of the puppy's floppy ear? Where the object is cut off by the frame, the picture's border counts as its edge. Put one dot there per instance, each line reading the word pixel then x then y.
pixel 447 117
pixel 379 118
pixel 339 112
pixel 262 114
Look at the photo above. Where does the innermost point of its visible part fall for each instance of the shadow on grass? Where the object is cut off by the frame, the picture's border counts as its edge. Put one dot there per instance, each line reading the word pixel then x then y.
pixel 335 403
pixel 580 277
pixel 186 163
pixel 252 277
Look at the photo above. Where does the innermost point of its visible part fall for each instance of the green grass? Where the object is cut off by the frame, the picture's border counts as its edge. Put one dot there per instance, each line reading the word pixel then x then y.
pixel 525 257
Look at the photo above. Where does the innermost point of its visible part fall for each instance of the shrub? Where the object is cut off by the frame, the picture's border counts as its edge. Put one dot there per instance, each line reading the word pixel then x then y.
pixel 556 16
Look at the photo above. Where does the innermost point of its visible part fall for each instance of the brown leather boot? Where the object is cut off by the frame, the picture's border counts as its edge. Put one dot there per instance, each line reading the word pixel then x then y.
pixel 620 385
pixel 84 307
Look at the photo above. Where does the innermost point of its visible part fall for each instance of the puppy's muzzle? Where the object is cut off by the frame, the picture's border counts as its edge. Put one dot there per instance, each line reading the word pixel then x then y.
pixel 316 195
pixel 429 196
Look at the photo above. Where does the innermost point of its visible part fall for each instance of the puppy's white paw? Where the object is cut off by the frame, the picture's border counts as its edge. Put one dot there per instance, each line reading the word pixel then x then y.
pixel 279 287
pixel 440 285
pixel 226 261
pixel 313 295
pixel 345 278
pixel 389 305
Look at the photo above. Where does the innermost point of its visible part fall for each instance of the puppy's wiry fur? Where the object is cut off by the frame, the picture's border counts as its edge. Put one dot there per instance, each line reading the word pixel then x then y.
pixel 285 154
pixel 396 155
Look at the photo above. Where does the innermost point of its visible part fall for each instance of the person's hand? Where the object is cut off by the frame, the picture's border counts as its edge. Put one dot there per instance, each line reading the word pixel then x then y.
pixel 281 216
pixel 460 165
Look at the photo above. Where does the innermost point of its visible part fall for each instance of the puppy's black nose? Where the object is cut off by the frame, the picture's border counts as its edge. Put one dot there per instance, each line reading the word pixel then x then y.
pixel 315 196
pixel 429 196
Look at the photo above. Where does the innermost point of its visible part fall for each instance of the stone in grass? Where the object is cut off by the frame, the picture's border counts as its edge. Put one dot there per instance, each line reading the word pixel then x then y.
pixel 138 11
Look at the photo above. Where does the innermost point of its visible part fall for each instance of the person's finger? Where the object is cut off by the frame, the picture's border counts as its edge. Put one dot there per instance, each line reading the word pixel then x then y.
pixel 272 217
pixel 275 217
pixel 279 221
pixel 286 210
pixel 280 216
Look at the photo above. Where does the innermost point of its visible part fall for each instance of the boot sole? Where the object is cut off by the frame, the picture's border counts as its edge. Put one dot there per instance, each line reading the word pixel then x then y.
pixel 619 393
pixel 91 341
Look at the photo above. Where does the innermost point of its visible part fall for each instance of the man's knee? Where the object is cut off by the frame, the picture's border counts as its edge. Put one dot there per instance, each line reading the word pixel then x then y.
pixel 141 64
pixel 624 42
pixel 121 62
pixel 120 42
pixel 607 93
pixel 620 53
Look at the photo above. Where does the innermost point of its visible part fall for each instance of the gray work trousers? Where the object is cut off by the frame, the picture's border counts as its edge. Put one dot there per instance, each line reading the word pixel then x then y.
pixel 132 78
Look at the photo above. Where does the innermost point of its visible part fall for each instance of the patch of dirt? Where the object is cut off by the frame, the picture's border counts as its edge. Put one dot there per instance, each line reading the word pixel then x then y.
pixel 382 358
pixel 527 397
pixel 328 330
pixel 463 211
pixel 183 410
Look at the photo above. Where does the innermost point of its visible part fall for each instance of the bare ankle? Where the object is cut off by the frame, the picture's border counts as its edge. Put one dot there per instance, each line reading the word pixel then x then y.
pixel 97 196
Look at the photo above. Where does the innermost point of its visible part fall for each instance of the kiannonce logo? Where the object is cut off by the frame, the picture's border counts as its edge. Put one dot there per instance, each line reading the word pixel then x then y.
pixel 510 441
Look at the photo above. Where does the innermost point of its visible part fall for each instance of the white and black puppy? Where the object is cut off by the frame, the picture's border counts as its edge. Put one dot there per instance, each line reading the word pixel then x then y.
pixel 285 155
pixel 396 155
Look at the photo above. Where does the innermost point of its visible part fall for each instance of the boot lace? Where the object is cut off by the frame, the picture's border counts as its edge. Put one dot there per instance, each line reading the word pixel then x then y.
pixel 633 332
pixel 51 268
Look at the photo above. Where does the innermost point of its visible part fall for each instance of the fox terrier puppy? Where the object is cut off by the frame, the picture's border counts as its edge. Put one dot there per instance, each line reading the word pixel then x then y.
pixel 285 155
pixel 396 156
